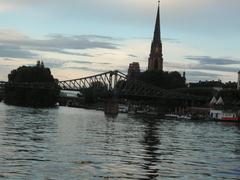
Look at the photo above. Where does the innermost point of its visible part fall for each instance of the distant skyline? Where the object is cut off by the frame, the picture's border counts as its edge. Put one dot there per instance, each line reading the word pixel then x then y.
pixel 76 38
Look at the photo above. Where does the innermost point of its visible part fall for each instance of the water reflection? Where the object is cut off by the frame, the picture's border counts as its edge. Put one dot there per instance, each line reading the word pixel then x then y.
pixel 151 144
pixel 110 116
pixel 68 143
pixel 24 140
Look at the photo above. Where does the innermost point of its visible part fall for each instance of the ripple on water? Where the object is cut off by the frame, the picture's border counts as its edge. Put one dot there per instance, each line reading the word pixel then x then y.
pixel 68 143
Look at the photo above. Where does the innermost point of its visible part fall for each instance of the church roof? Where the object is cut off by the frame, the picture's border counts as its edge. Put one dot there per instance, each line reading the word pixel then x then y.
pixel 156 42
pixel 220 101
pixel 213 101
pixel 157 30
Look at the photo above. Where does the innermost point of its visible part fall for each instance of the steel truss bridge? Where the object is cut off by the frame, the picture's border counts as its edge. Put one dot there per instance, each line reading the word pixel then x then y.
pixel 115 83
pixel 119 85
pixel 2 85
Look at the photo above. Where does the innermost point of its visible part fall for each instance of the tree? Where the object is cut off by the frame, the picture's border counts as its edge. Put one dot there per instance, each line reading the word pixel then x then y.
pixel 230 85
pixel 34 97
pixel 38 64
pixel 42 64
pixel 231 97
pixel 165 80
pixel 94 92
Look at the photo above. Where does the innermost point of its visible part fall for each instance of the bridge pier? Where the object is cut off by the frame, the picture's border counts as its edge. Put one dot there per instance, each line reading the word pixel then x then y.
pixel 111 107
pixel 1 94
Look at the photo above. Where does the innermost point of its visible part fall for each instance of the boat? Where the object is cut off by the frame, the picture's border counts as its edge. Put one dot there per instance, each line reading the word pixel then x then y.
pixel 178 117
pixel 123 109
pixel 171 116
pixel 185 117
pixel 220 115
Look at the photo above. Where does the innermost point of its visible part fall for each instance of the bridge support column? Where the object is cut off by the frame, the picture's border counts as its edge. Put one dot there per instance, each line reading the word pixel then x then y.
pixel 1 95
pixel 111 107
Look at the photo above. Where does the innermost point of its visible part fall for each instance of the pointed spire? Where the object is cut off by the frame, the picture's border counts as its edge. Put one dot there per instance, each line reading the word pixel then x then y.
pixel 157 31
pixel 155 61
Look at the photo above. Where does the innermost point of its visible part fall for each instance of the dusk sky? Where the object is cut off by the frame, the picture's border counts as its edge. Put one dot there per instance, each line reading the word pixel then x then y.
pixel 76 38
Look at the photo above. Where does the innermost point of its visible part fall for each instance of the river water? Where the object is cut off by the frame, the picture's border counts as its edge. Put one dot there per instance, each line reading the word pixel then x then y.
pixel 67 143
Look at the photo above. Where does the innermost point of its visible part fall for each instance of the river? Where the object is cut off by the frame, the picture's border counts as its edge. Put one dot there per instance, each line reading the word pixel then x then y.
pixel 69 143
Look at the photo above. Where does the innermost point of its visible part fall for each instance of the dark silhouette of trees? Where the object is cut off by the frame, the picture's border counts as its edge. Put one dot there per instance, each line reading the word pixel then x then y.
pixel 230 85
pixel 165 80
pixel 231 97
pixel 207 93
pixel 206 84
pixel 96 91
pixel 34 97
pixel 212 84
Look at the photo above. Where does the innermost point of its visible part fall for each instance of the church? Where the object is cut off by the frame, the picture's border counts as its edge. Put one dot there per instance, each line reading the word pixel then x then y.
pixel 155 61
pixel 155 72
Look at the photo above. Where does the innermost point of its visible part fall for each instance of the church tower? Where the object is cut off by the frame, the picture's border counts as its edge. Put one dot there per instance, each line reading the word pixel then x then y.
pixel 155 61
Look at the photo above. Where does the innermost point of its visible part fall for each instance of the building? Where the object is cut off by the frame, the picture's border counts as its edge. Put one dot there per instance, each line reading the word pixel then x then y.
pixel 155 61
pixel 133 70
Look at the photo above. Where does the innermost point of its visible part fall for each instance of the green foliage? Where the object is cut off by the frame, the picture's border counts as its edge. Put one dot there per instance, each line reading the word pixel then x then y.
pixel 36 73
pixel 208 84
pixel 231 85
pixel 25 96
pixel 231 97
pixel 94 92
pixel 208 93
pixel 165 80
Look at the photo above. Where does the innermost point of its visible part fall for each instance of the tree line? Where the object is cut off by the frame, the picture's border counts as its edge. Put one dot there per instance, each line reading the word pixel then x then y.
pixel 26 96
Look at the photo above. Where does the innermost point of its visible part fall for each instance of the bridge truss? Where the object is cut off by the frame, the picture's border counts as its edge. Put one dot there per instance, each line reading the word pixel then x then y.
pixel 115 83
pixel 108 79
pixel 119 85
pixel 2 84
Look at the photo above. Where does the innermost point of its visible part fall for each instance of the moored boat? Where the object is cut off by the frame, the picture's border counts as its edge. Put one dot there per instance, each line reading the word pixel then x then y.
pixel 220 115
pixel 178 117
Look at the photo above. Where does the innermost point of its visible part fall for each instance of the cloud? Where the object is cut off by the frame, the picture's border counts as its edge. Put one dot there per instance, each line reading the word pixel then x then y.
pixel 50 64
pixel 8 59
pixel 18 45
pixel 132 56
pixel 4 7
pixel 14 51
pixel 54 63
pixel 199 75
pixel 176 15
pixel 214 64
pixel 95 70
pixel 207 60
pixel 216 68
pixel 103 63
pixel 80 62
pixel 59 43
pixel 206 68
pixel 73 53
pixel 202 74
pixel 171 40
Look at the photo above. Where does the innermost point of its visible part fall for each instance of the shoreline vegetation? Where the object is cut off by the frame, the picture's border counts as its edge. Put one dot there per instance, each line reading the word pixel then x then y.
pixel 27 96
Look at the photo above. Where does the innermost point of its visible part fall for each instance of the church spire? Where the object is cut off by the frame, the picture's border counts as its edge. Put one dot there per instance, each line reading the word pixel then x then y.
pixel 155 61
pixel 157 31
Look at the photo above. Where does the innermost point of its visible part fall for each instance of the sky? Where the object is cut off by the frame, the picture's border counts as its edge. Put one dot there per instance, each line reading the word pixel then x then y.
pixel 77 38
